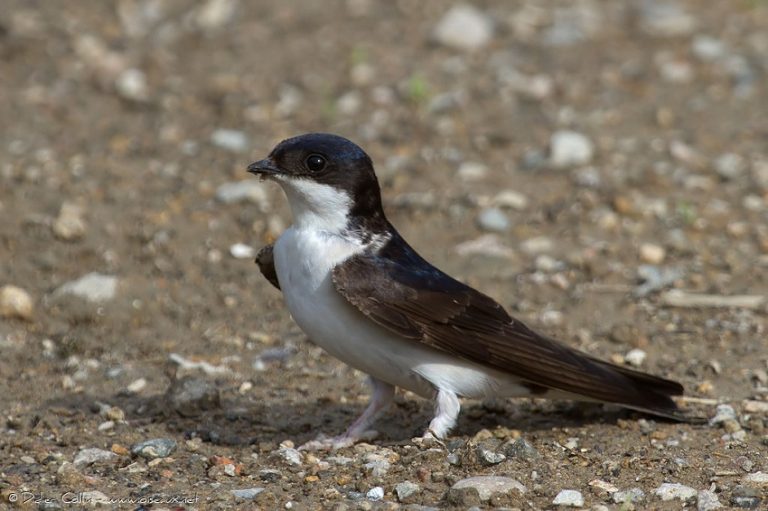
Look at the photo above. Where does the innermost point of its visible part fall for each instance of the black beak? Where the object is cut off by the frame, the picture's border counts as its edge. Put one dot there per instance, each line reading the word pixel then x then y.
pixel 265 167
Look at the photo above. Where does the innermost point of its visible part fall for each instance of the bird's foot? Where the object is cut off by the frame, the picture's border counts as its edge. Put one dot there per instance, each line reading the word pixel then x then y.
pixel 430 437
pixel 326 443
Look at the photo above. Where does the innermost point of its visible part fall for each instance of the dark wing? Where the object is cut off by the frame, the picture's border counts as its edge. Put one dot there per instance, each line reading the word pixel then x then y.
pixel 266 262
pixel 400 291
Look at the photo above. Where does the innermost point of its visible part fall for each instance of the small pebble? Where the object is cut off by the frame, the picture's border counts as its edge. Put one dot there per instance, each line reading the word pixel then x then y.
pixel 493 219
pixel 746 497
pixel 633 495
pixel 488 455
pixel 537 245
pixel 757 479
pixel 249 190
pixel 247 493
pixel 723 413
pixel 15 303
pixel 570 149
pixel 93 287
pixel 242 251
pixel 136 385
pixel 290 456
pixel 675 491
pixel 472 171
pixel 569 498
pixel 488 485
pixel 652 254
pixel 730 166
pixel 231 140
pixel 154 448
pixel 405 490
pixel 93 455
pixel 69 224
pixel 635 357
pixel 511 199
pixel 131 84
pixel 464 27
pixel 521 449
pixel 375 493
pixel 707 500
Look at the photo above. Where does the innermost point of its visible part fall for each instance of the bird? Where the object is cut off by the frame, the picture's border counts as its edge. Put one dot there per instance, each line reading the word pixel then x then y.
pixel 363 294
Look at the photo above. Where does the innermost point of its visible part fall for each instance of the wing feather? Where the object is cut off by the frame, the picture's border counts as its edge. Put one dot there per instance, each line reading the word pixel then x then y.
pixel 400 291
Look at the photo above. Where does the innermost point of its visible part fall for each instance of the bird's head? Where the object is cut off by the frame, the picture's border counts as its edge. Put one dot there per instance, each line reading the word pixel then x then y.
pixel 329 181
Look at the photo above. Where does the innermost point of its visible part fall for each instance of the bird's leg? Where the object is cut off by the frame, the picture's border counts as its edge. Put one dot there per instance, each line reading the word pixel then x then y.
pixel 447 408
pixel 381 398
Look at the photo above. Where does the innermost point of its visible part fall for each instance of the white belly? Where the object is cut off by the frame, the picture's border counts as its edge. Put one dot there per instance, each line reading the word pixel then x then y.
pixel 304 261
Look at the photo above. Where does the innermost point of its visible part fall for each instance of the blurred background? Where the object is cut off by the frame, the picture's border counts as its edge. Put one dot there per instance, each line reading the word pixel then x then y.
pixel 594 165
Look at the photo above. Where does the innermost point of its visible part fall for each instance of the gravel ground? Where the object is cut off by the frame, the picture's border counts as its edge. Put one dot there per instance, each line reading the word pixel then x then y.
pixel 599 167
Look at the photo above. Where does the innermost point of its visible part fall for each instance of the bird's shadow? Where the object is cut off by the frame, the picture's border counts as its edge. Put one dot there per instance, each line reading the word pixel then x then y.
pixel 243 421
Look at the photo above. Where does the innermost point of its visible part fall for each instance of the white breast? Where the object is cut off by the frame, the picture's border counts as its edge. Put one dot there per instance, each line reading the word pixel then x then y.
pixel 304 260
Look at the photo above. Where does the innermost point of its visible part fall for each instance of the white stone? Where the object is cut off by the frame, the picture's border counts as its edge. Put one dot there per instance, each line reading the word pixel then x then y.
pixel 375 493
pixel 69 225
pixel 242 251
pixel 249 190
pixel 216 13
pixel 758 478
pixel 231 140
pixel 247 493
pixel 675 491
pixel 493 219
pixel 464 27
pixel 511 199
pixel 569 498
pixel 132 84
pixel 707 48
pixel 93 455
pixel 570 149
pixel 730 166
pixel 537 245
pixel 635 357
pixel 472 171
pixel 488 485
pixel 15 303
pixel 93 287
pixel 707 500
pixel 652 254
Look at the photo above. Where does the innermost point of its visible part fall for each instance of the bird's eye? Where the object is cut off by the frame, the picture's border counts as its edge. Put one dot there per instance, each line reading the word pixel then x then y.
pixel 315 162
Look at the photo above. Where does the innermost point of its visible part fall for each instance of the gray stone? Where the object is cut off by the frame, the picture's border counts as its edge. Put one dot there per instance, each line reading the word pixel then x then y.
pixel 757 478
pixel 730 166
pixel 69 224
pixel 633 495
pixel 94 287
pixel 487 453
pixel 249 190
pixel 569 498
pixel 707 48
pixel 521 449
pixel 675 491
pixel 15 303
pixel 154 448
pixel 493 219
pixel 488 485
pixel 290 456
pixel 661 18
pixel 247 493
pixel 723 413
pixel 214 14
pixel 231 140
pixel 190 396
pixel 375 493
pixel 707 500
pixel 405 490
pixel 745 497
pixel 655 278
pixel 464 27
pixel 570 149
pixel 131 84
pixel 89 456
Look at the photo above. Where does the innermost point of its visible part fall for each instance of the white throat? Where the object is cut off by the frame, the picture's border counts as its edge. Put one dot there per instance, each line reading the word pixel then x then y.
pixel 316 206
